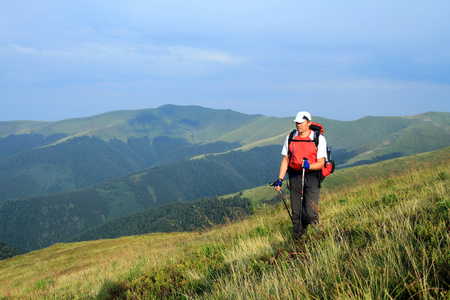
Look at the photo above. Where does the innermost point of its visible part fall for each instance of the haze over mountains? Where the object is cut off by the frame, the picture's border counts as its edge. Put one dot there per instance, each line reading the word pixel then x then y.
pixel 59 179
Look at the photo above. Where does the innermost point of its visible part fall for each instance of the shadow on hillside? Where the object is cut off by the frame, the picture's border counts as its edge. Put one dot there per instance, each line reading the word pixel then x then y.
pixel 110 290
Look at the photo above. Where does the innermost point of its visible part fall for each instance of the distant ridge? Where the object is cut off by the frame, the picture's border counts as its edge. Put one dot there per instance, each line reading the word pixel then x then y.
pixel 191 122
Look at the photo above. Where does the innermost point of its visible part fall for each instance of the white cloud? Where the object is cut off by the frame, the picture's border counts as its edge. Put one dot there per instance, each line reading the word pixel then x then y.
pixel 197 54
pixel 24 50
pixel 113 62
pixel 96 51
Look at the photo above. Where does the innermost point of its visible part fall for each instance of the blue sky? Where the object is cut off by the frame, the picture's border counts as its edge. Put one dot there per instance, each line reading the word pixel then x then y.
pixel 341 60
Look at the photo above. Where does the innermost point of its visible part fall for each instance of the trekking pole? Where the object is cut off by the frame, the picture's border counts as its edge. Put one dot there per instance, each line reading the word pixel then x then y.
pixel 303 180
pixel 284 201
pixel 285 205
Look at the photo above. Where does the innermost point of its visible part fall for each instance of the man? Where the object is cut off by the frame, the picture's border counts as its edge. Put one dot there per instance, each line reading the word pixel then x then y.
pixel 303 161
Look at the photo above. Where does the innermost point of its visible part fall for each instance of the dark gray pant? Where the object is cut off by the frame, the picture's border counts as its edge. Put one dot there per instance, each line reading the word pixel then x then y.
pixel 306 212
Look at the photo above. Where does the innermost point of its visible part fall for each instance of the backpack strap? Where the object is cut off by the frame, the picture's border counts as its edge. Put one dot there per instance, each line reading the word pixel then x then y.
pixel 318 130
pixel 291 137
pixel 315 138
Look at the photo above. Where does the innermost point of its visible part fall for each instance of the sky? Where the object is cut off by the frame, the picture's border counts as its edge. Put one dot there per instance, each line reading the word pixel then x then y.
pixel 341 60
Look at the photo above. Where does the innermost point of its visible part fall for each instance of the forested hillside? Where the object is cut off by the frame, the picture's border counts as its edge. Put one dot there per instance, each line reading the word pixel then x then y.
pixel 7 251
pixel 40 221
pixel 84 161
pixel 173 217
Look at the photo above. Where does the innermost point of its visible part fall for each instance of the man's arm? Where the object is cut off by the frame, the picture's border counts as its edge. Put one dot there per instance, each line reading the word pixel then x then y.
pixel 318 165
pixel 284 166
pixel 283 169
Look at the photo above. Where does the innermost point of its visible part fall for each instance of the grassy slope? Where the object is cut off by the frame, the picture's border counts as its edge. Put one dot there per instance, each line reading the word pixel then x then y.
pixel 380 237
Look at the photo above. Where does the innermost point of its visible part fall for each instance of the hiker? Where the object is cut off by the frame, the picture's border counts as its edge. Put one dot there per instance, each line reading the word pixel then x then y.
pixel 303 161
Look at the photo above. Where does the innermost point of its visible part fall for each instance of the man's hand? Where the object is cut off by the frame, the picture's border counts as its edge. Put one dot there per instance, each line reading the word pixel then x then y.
pixel 306 164
pixel 277 184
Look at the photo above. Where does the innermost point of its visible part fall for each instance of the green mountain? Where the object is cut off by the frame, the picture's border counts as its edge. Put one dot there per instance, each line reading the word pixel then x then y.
pixel 53 157
pixel 192 123
pixel 77 153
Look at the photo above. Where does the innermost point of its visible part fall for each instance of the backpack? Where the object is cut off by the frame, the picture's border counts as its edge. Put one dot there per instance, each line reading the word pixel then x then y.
pixel 329 163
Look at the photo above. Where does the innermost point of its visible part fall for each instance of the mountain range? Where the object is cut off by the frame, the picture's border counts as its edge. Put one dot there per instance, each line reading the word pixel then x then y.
pixel 59 179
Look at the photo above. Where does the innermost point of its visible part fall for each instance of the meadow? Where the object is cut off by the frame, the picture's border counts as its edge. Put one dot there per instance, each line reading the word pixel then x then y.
pixel 381 237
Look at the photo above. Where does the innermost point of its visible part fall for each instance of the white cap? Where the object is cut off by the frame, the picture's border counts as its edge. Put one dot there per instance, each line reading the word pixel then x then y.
pixel 302 116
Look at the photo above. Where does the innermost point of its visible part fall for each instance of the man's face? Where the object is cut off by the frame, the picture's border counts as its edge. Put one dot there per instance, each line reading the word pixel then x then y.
pixel 302 127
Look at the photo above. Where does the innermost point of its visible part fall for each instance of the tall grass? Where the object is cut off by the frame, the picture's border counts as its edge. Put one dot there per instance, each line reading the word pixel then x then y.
pixel 381 238
pixel 81 270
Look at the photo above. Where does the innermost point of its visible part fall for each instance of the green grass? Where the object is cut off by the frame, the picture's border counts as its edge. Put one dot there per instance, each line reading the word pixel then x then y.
pixel 343 177
pixel 379 238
